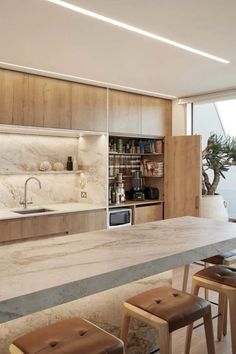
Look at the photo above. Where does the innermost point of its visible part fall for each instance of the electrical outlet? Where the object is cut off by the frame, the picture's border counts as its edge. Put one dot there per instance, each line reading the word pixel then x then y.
pixel 83 194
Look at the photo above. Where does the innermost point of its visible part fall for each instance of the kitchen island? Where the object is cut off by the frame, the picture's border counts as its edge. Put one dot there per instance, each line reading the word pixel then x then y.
pixel 100 269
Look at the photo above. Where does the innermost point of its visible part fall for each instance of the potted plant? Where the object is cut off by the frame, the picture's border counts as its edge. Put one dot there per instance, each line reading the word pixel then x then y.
pixel 218 156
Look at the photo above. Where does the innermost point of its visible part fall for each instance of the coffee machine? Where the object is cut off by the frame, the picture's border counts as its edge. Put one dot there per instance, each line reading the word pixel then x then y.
pixel 137 186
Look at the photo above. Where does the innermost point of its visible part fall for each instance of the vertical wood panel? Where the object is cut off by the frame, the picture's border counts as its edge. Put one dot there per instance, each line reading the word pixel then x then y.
pixel 124 112
pixel 12 96
pixel 49 102
pixel 156 116
pixel 182 176
pixel 89 107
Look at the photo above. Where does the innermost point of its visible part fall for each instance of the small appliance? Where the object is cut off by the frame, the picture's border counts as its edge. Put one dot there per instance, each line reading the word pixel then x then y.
pixel 119 217
pixel 137 186
pixel 151 193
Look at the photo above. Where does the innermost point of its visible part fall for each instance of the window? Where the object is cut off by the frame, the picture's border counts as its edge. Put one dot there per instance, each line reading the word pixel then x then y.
pixel 219 118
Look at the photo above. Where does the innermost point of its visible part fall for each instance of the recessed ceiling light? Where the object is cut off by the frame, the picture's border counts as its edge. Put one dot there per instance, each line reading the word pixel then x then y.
pixel 136 30
pixel 82 79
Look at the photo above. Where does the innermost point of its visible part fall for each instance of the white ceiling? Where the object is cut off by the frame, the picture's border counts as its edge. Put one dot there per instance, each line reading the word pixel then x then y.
pixel 38 34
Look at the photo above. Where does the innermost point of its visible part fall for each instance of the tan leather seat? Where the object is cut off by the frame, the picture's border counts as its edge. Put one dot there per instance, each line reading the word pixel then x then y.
pixel 166 310
pixel 220 274
pixel 177 308
pixel 72 336
pixel 221 258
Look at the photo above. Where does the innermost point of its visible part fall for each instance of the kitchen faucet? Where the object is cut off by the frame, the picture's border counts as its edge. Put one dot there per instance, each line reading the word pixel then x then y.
pixel 25 202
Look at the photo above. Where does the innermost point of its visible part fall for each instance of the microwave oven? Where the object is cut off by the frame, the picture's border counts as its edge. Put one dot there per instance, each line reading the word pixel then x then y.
pixel 119 217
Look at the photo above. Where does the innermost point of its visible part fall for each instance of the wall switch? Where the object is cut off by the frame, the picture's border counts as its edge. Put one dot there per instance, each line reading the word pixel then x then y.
pixel 83 194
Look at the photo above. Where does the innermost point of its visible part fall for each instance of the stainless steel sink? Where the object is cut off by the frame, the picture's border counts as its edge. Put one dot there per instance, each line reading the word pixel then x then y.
pixel 32 211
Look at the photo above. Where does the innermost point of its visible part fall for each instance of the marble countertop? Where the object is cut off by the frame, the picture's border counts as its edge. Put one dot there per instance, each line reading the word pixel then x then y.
pixel 60 208
pixel 39 274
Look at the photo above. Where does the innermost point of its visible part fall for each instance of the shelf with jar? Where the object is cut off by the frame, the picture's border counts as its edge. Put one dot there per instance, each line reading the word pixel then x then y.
pixel 128 165
pixel 135 146
pixel 136 170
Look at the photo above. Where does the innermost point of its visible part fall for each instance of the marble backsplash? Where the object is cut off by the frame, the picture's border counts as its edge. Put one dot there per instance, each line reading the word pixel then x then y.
pixel 24 153
pixel 20 153
pixel 55 189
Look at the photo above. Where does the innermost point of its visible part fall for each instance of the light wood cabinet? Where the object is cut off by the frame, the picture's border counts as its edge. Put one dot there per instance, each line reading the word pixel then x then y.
pixel 34 100
pixel 182 175
pixel 156 116
pixel 52 225
pixel 48 103
pixel 89 107
pixel 124 112
pixel 148 213
pixel 13 91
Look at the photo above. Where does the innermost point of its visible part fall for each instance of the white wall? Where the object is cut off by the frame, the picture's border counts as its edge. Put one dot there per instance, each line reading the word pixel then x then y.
pixel 178 118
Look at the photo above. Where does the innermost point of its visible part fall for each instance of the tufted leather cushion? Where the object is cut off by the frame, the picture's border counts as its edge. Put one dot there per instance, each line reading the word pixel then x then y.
pixel 72 336
pixel 179 309
pixel 220 274
pixel 219 258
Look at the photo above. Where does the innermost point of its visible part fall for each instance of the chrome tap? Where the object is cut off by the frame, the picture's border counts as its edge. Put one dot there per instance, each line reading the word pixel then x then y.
pixel 24 202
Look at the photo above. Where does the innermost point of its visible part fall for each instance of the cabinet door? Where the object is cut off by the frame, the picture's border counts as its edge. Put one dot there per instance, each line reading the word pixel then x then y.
pixel 156 116
pixel 13 87
pixel 182 175
pixel 124 112
pixel 49 102
pixel 86 221
pixel 89 107
pixel 147 213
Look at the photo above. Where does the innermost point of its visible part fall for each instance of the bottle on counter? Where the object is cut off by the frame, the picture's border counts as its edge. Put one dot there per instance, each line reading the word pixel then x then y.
pixel 69 164
pixel 113 195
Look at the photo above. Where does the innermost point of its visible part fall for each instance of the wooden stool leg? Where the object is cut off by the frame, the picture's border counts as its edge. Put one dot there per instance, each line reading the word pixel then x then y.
pixel 221 316
pixel 232 308
pixel 185 277
pixel 124 326
pixel 206 290
pixel 222 320
pixel 164 339
pixel 225 317
pixel 209 334
pixel 195 290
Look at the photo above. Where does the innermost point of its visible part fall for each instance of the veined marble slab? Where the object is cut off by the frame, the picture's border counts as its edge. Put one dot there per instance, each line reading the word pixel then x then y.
pixel 39 274
pixel 21 156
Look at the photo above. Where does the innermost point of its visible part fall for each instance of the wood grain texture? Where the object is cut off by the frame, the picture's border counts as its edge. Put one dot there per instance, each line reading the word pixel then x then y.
pixel 62 224
pixel 49 102
pixel 156 114
pixel 13 91
pixel 148 213
pixel 124 112
pixel 182 176
pixel 89 107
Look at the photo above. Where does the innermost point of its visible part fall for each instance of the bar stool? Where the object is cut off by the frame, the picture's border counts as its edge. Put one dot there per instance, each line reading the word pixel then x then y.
pixel 221 279
pixel 227 258
pixel 71 336
pixel 167 310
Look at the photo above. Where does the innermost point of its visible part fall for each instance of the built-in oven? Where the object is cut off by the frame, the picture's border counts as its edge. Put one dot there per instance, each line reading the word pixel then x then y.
pixel 119 217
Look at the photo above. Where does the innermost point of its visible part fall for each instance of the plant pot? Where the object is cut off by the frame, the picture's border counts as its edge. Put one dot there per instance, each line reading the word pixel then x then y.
pixel 214 207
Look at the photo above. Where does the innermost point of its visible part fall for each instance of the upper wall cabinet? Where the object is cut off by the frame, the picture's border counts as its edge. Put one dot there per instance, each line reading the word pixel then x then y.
pixel 124 112
pixel 34 100
pixel 48 103
pixel 156 116
pixel 13 88
pixel 89 107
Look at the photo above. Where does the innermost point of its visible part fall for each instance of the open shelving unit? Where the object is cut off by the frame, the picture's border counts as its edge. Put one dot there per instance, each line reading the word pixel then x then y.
pixel 121 161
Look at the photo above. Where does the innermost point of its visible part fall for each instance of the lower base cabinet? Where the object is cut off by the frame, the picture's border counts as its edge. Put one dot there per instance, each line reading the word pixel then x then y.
pixel 52 225
pixel 148 213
